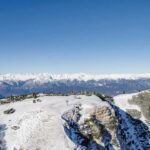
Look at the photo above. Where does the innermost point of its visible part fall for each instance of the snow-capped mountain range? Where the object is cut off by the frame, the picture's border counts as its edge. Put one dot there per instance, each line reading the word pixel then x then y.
pixel 81 77
pixel 113 84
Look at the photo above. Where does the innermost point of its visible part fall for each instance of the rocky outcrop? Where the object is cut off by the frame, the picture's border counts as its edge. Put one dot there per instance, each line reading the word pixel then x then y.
pixel 104 126
pixel 92 126
pixel 9 111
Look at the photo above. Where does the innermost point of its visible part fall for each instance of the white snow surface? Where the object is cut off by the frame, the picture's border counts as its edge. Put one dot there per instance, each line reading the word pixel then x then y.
pixel 122 101
pixel 40 124
pixel 44 77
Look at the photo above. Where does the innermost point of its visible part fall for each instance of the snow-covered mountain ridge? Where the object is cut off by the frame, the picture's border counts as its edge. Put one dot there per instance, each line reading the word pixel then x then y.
pixel 17 84
pixel 80 76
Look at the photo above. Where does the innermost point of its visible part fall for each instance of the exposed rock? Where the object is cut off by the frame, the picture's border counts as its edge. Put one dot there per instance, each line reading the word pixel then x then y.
pixel 94 124
pixel 34 101
pixel 15 127
pixel 39 100
pixel 9 111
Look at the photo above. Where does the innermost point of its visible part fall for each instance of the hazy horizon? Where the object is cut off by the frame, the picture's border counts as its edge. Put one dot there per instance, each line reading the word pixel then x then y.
pixel 74 73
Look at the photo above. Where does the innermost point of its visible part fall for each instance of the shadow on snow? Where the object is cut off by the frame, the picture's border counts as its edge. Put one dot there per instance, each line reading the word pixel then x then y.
pixel 2 135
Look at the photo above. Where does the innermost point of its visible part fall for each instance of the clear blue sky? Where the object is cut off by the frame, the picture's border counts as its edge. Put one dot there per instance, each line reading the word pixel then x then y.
pixel 71 36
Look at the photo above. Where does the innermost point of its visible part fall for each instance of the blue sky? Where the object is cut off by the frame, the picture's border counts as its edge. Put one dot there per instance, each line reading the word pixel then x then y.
pixel 71 36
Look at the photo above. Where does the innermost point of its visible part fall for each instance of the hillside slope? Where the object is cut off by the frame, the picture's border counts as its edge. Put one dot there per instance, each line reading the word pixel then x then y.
pixel 132 122
pixel 69 122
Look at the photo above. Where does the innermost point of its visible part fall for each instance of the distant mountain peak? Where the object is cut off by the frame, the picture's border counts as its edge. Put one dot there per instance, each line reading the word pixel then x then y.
pixel 112 84
pixel 77 76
